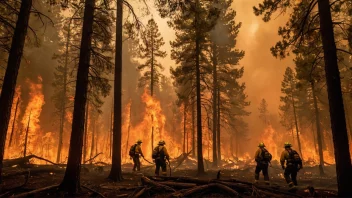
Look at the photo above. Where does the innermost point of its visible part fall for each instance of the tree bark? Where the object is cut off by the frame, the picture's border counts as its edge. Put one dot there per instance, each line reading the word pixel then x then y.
pixel 26 136
pixel 63 104
pixel 218 128
pixel 111 128
pixel 193 131
pixel 13 123
pixel 71 181
pixel 199 106
pixel 296 124
pixel 184 128
pixel 319 135
pixel 116 172
pixel 128 130
pixel 92 139
pixel 215 115
pixel 337 113
pixel 10 78
pixel 85 135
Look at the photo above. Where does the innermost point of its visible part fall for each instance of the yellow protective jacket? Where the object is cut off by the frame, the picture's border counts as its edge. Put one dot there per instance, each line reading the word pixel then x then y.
pixel 285 156
pixel 162 149
pixel 138 150
pixel 258 155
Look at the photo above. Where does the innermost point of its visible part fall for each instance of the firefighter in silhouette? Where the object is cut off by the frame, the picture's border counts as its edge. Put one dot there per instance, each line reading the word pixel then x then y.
pixel 263 158
pixel 293 164
pixel 135 154
pixel 160 156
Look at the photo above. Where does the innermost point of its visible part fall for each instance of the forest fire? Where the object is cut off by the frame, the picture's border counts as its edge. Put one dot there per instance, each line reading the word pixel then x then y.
pixel 143 130
pixel 205 89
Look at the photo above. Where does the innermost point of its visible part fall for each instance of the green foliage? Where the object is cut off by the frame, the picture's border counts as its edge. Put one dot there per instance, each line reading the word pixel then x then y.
pixel 150 50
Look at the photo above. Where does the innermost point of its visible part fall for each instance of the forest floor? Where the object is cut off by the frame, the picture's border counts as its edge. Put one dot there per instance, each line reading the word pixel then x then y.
pixel 95 179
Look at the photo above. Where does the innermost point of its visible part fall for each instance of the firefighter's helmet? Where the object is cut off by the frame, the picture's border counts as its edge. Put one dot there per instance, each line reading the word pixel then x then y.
pixel 261 145
pixel 287 145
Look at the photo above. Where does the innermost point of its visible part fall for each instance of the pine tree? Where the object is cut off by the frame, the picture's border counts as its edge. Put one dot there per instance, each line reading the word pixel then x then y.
pixel 13 65
pixel 151 51
pixel 263 112
pixel 224 59
pixel 298 26
pixel 192 30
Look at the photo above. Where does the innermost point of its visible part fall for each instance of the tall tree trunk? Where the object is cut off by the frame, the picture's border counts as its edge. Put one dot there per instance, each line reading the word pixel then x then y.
pixel 184 128
pixel 296 124
pixel 314 138
pixel 152 85
pixel 111 128
pixel 116 172
pixel 10 78
pixel 13 123
pixel 26 136
pixel 92 140
pixel 193 131
pixel 348 119
pixel 71 181
pixel 128 130
pixel 215 115
pixel 218 139
pixel 85 135
pixel 63 99
pixel 319 135
pixel 199 106
pixel 337 113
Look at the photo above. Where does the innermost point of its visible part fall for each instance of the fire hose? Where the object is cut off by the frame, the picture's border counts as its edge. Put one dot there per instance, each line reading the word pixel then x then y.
pixel 147 161
pixel 169 166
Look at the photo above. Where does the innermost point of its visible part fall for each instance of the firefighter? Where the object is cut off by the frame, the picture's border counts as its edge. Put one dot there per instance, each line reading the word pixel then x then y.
pixel 293 164
pixel 263 158
pixel 160 156
pixel 136 153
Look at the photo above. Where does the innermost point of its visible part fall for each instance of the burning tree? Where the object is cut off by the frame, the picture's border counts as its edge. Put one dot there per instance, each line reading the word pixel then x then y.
pixel 288 108
pixel 294 33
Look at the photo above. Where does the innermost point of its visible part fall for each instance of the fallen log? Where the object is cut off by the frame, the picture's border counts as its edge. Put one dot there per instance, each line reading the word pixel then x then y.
pixel 36 191
pixel 140 193
pixel 145 181
pixel 91 159
pixel 33 171
pixel 94 191
pixel 178 185
pixel 213 186
pixel 24 160
pixel 185 155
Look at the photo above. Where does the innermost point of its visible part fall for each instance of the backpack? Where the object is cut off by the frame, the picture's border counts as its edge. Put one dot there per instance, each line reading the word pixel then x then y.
pixel 266 155
pixel 156 153
pixel 294 156
pixel 133 150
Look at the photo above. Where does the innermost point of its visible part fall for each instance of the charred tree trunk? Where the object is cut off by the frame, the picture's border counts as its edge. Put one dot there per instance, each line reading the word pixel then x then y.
pixel 111 128
pixel 193 131
pixel 26 137
pixel 184 129
pixel 85 135
pixel 128 129
pixel 116 172
pixel 296 124
pixel 215 115
pixel 92 140
pixel 71 181
pixel 199 106
pixel 337 113
pixel 63 102
pixel 152 85
pixel 13 123
pixel 319 135
pixel 10 78
pixel 218 139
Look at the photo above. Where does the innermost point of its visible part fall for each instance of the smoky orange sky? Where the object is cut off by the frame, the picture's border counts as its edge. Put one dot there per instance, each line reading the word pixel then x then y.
pixel 263 72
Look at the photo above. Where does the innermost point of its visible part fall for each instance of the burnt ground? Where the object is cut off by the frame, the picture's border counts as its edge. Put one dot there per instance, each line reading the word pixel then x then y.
pixel 95 178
